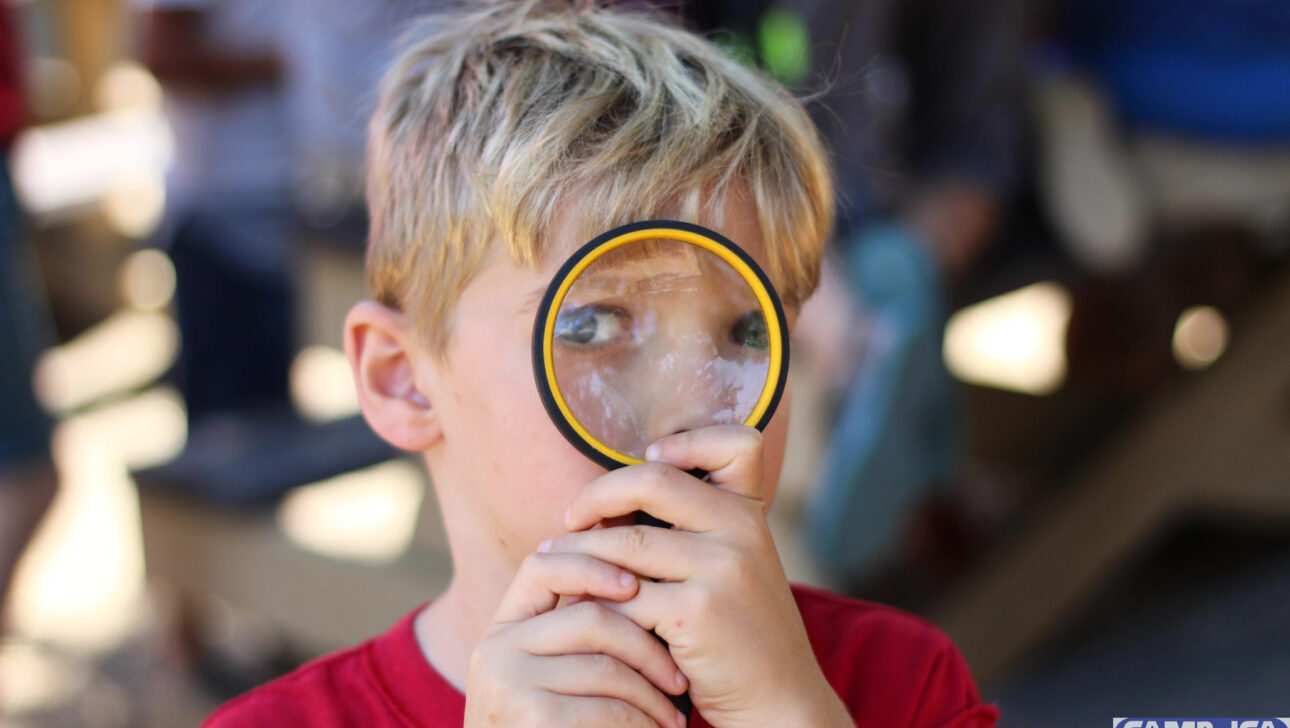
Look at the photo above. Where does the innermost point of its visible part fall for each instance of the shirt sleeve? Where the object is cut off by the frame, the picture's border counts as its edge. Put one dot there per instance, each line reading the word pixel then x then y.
pixel 949 698
pixel 12 112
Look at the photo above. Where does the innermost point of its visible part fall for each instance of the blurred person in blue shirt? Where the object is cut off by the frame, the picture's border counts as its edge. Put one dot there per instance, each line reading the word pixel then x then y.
pixel 922 110
pixel 1208 69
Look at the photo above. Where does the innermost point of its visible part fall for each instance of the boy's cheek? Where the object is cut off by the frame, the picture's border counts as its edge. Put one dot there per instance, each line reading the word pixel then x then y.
pixel 534 486
pixel 517 467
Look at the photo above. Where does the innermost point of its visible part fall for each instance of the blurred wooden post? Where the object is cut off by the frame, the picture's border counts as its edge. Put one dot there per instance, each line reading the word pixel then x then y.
pixel 1219 444
pixel 92 43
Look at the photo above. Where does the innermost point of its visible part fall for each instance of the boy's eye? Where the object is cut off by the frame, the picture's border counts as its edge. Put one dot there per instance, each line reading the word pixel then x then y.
pixel 590 325
pixel 751 331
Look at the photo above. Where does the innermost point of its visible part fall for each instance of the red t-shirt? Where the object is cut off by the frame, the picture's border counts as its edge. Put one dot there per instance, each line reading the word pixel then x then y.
pixel 11 100
pixel 891 668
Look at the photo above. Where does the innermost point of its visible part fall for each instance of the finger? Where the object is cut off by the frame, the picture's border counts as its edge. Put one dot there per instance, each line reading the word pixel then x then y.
pixel 660 490
pixel 602 711
pixel 648 551
pixel 544 577
pixel 657 607
pixel 590 627
pixel 731 455
pixel 602 676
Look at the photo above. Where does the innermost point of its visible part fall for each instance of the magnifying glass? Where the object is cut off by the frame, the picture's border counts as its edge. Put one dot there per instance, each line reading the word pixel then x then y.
pixel 655 328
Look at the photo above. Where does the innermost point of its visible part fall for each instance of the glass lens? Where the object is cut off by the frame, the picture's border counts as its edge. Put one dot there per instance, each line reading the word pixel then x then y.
pixel 657 337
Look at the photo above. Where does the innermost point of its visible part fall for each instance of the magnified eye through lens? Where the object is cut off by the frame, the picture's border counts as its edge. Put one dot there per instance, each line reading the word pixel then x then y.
pixel 591 325
pixel 751 331
pixel 656 328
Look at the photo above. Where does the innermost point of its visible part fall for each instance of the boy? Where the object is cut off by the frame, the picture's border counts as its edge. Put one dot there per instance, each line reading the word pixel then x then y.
pixel 504 139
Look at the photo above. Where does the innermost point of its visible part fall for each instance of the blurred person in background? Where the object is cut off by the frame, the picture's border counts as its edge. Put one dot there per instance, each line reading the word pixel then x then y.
pixel 923 116
pixel 228 226
pixel 268 102
pixel 334 52
pixel 920 107
pixel 27 477
pixel 922 113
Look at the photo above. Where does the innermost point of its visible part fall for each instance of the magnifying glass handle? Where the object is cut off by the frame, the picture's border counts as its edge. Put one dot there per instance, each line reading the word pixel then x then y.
pixel 645 519
pixel 682 701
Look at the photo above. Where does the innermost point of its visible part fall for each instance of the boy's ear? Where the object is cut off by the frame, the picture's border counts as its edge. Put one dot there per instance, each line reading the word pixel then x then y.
pixel 381 352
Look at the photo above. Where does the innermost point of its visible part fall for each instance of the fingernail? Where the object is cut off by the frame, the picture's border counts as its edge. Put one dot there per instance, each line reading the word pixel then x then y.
pixel 545 546
pixel 652 452
pixel 567 512
pixel 680 678
pixel 680 718
pixel 626 578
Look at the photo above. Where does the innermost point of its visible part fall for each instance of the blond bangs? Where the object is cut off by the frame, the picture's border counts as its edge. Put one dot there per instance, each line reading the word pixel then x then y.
pixel 494 125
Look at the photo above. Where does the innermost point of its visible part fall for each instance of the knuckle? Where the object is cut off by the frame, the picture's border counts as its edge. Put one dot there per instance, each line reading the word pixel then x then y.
pixel 751 519
pixel 683 440
pixel 731 563
pixel 603 666
pixel 633 538
pixel 700 602
pixel 487 663
pixel 655 473
pixel 486 653
pixel 479 660
pixel 532 563
pixel 750 438
pixel 545 710
pixel 590 616
pixel 619 713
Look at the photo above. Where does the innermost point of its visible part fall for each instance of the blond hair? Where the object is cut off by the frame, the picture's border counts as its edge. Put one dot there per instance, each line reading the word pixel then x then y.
pixel 494 123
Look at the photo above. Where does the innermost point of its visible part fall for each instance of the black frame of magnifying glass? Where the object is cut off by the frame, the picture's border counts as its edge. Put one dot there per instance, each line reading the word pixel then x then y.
pixel 544 313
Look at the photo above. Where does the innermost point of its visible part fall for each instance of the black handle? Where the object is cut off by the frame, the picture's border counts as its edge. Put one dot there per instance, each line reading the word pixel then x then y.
pixel 682 701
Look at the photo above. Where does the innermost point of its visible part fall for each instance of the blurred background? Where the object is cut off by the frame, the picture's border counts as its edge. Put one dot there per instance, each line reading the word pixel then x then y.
pixel 1042 396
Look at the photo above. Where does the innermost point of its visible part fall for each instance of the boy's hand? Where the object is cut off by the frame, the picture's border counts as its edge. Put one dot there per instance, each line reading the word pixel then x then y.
pixel 579 665
pixel 722 601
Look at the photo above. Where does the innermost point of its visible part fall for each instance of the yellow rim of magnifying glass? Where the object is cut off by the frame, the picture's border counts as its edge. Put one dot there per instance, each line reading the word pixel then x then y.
pixel 721 250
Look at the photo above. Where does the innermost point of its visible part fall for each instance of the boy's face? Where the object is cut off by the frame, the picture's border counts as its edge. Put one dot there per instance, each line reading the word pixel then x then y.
pixel 502 464
pixel 657 337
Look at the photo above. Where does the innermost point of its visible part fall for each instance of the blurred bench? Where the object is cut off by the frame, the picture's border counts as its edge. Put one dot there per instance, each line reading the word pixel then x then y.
pixel 319 603
pixel 243 557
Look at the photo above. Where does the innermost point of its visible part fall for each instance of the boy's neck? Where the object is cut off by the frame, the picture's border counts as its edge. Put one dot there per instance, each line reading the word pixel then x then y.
pixel 457 620
pixel 449 629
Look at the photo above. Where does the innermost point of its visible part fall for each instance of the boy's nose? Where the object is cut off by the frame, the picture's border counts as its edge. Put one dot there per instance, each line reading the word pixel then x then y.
pixel 668 426
pixel 675 417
